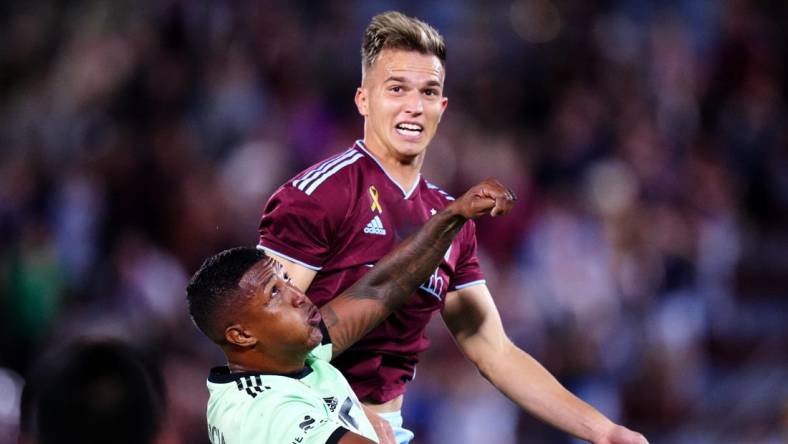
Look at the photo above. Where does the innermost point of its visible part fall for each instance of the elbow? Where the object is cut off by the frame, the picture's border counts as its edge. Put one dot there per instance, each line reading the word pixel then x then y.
pixel 486 369
pixel 493 359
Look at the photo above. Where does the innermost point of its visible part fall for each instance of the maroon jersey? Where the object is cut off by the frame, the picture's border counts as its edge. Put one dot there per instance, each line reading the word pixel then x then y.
pixel 339 218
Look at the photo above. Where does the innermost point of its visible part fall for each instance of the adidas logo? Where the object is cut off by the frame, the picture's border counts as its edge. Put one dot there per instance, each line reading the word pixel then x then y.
pixel 375 226
pixel 331 402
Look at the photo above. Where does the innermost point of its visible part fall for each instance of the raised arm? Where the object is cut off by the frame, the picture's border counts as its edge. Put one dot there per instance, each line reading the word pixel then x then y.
pixel 474 321
pixel 361 307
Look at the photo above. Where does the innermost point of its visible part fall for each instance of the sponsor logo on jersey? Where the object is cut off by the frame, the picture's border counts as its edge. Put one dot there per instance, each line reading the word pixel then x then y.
pixel 436 283
pixel 307 423
pixel 375 226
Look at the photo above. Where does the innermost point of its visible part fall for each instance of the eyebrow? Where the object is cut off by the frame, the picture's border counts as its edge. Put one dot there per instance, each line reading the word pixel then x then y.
pixel 404 80
pixel 396 79
pixel 264 284
pixel 266 280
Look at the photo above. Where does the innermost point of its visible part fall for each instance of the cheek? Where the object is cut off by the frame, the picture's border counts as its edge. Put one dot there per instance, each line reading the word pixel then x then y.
pixel 386 104
pixel 435 112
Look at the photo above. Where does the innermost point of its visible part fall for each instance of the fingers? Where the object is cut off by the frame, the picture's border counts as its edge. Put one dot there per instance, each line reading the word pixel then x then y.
pixel 503 197
pixel 382 427
pixel 488 197
pixel 384 432
pixel 622 435
pixel 503 204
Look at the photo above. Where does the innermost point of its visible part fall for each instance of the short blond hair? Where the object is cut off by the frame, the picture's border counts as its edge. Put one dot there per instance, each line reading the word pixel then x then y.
pixel 394 30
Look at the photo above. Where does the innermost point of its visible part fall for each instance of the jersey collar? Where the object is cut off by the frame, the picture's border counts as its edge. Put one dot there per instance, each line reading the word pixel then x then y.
pixel 406 194
pixel 222 374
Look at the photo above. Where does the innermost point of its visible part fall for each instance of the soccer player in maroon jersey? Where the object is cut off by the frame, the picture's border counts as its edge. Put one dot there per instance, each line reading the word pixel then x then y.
pixel 332 222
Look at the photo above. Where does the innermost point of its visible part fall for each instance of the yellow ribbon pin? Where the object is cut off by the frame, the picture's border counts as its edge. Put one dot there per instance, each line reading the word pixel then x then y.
pixel 373 192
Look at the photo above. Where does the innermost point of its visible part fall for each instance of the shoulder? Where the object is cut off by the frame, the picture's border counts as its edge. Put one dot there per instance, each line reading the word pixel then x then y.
pixel 436 192
pixel 243 387
pixel 259 392
pixel 324 188
pixel 329 176
pixel 441 198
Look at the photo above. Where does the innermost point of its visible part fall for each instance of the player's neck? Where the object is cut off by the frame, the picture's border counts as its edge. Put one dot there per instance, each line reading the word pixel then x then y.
pixel 403 170
pixel 253 362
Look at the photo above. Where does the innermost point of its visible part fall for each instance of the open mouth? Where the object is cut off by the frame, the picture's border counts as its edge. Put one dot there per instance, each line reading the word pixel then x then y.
pixel 314 316
pixel 409 129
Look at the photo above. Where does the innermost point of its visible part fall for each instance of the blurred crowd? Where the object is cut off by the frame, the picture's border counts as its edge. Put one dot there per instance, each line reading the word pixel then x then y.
pixel 646 264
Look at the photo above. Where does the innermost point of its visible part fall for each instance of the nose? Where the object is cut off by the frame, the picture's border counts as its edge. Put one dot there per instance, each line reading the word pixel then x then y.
pixel 414 105
pixel 298 298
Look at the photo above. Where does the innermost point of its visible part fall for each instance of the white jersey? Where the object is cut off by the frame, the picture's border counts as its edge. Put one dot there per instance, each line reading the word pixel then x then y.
pixel 314 405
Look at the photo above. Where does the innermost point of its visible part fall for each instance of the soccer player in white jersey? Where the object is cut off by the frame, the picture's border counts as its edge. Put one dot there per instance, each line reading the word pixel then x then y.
pixel 333 221
pixel 278 386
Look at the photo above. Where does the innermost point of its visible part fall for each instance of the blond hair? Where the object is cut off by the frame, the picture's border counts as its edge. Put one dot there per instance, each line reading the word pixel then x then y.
pixel 394 30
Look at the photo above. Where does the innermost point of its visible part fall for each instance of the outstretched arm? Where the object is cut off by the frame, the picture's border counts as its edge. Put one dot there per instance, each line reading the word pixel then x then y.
pixel 355 312
pixel 474 321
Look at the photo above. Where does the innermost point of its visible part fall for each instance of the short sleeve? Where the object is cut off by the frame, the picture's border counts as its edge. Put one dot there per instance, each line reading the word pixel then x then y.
pixel 291 419
pixel 295 226
pixel 467 272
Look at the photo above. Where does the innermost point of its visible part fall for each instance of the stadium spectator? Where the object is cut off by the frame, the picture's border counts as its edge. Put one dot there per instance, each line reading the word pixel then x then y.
pixel 93 391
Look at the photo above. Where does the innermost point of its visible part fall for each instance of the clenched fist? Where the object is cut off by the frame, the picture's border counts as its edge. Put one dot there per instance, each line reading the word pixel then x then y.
pixel 489 196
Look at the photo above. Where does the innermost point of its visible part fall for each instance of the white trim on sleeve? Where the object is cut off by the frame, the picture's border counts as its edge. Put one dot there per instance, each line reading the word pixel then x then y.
pixel 470 284
pixel 303 264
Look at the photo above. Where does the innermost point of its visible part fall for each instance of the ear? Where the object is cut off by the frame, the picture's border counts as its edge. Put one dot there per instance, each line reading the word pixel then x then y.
pixel 444 105
pixel 236 335
pixel 361 101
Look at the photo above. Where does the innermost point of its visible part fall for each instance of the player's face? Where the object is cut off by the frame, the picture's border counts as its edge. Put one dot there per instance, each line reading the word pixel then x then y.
pixel 402 100
pixel 282 319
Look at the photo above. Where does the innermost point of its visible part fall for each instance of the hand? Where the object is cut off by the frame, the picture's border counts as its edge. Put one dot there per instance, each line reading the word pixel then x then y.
pixel 489 196
pixel 381 426
pixel 621 435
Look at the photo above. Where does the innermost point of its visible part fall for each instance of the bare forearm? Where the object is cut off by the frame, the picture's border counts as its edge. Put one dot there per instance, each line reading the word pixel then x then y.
pixel 476 325
pixel 392 279
pixel 352 314
pixel 527 383
pixel 398 273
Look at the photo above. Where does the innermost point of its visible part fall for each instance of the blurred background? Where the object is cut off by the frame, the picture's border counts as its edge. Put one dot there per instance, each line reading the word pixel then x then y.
pixel 646 265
